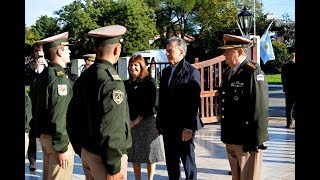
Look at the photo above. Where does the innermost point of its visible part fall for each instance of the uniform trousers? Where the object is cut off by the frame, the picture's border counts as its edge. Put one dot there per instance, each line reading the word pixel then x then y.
pixel 244 166
pixel 176 149
pixel 26 143
pixel 51 167
pixel 94 168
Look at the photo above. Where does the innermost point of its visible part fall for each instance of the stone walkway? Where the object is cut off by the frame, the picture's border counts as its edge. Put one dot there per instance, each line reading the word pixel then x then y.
pixel 278 160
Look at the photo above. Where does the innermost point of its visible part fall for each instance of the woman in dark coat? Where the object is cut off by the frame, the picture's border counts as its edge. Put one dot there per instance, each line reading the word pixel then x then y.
pixel 147 146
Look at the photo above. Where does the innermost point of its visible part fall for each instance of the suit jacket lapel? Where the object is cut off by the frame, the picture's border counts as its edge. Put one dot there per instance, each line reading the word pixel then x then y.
pixel 166 75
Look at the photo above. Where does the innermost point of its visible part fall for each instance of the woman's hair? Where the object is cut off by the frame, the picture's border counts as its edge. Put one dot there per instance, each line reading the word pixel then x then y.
pixel 139 59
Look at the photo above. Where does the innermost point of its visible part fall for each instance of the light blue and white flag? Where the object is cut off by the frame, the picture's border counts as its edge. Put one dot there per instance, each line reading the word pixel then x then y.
pixel 266 48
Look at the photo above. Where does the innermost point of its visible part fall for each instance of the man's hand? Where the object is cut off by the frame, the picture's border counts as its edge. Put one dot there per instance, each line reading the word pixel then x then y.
pixel 250 148
pixel 186 134
pixel 65 158
pixel 117 176
pixel 253 148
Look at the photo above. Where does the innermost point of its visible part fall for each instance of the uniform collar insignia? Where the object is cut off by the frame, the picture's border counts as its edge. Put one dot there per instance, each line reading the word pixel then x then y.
pixel 60 73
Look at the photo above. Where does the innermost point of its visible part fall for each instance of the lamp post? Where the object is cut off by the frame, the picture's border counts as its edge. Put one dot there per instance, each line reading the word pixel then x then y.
pixel 245 20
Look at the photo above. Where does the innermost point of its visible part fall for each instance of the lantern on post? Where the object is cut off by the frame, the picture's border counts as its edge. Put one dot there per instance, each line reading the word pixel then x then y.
pixel 245 20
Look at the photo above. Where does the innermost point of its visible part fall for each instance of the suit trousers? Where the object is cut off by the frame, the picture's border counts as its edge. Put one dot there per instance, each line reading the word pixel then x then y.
pixel 176 149
pixel 94 168
pixel 32 148
pixel 51 167
pixel 290 100
pixel 244 166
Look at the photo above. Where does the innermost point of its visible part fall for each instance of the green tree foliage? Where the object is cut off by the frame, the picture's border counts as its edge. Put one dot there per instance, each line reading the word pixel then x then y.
pixel 175 17
pixel 140 22
pixel 78 19
pixel 44 27
pixel 217 17
pixel 201 22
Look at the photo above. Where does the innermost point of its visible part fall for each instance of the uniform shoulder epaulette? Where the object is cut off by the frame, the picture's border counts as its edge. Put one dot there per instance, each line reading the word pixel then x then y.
pixel 251 65
pixel 114 75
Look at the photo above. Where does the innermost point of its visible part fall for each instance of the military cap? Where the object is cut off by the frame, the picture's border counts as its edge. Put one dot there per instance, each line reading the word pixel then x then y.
pixel 53 41
pixel 89 57
pixel 108 34
pixel 232 41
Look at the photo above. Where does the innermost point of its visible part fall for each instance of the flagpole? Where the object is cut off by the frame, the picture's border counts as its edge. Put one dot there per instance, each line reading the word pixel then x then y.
pixel 254 17
pixel 269 26
pixel 240 29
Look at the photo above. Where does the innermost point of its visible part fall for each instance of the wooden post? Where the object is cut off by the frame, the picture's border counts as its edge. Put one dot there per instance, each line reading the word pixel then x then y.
pixel 254 50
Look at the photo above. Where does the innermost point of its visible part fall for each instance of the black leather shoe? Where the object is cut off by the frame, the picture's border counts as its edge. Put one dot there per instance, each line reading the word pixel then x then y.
pixel 33 166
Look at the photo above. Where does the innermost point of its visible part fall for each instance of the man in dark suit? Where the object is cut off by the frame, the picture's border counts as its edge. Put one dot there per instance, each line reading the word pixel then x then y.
pixel 178 118
pixel 288 82
pixel 244 109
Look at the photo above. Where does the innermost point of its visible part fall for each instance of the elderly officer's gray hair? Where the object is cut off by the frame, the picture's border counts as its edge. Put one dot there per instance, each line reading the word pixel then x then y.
pixel 182 45
pixel 246 50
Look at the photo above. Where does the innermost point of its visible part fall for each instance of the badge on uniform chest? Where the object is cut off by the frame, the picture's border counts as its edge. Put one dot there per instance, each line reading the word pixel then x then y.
pixel 236 84
pixel 236 89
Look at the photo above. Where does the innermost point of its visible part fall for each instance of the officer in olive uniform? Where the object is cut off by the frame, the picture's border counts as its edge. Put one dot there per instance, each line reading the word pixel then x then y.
pixel 27 119
pixel 89 60
pixel 98 113
pixel 51 93
pixel 244 113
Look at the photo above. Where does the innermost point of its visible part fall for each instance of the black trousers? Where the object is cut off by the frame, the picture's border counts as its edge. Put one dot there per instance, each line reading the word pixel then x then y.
pixel 176 150
pixel 32 149
pixel 290 108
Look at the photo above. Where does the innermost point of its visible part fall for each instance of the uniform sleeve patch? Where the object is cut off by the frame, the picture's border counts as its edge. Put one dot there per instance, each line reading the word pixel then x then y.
pixel 260 77
pixel 117 96
pixel 62 89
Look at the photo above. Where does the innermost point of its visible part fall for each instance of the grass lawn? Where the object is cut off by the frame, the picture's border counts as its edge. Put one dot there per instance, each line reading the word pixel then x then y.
pixel 274 78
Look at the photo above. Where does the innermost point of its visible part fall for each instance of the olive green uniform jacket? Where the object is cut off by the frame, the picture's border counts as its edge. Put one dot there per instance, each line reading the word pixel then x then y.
pixel 98 115
pixel 28 112
pixel 244 100
pixel 51 93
